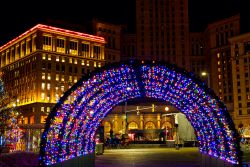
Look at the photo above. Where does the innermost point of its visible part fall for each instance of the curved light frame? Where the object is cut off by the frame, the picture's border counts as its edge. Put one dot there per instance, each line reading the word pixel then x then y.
pixel 71 126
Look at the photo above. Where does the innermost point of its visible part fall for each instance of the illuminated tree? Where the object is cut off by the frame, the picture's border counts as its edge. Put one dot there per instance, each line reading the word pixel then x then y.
pixel 9 130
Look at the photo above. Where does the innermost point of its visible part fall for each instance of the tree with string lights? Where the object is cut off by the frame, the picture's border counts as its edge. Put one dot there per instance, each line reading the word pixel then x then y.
pixel 10 133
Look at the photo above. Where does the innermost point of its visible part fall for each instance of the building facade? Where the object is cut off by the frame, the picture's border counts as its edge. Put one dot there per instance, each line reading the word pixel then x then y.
pixel 40 65
pixel 218 51
pixel 112 35
pixel 240 57
pixel 162 31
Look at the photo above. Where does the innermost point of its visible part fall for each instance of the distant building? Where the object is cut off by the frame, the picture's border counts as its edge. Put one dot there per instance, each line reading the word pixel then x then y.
pixel 219 52
pixel 240 57
pixel 112 35
pixel 162 31
pixel 40 65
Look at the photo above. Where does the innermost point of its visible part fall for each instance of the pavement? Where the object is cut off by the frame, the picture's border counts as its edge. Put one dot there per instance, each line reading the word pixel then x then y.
pixel 149 157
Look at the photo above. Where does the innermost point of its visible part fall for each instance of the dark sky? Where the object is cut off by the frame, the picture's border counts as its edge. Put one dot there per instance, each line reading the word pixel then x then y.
pixel 19 16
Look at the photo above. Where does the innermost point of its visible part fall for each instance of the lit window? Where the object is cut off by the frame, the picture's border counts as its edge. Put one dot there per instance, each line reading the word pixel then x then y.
pixel 60 45
pixel 57 58
pixel 62 78
pixel 43 86
pixel 85 50
pixel 47 43
pixel 62 88
pixel 43 75
pixel 218 55
pixel 49 57
pixel 56 88
pixel 219 76
pixel 49 77
pixel 99 64
pixel 63 59
pixel 83 63
pixel 73 47
pixel 57 77
pixel 87 63
pixel 75 79
pixel 218 62
pixel 70 60
pixel 57 97
pixel 48 86
pixel 42 96
pixel 43 118
pixel 32 119
pixel 75 61
pixel 94 64
pixel 44 56
pixel 42 109
pixel 70 78
pixel 48 109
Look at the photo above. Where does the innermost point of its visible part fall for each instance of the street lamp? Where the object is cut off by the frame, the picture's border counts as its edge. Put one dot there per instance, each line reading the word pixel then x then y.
pixel 206 74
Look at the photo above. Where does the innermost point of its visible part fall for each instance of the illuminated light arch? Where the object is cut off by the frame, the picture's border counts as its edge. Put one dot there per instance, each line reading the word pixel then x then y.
pixel 70 127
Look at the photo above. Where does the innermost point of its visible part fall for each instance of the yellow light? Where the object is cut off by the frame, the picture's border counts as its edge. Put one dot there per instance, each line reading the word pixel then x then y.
pixel 167 108
pixel 204 74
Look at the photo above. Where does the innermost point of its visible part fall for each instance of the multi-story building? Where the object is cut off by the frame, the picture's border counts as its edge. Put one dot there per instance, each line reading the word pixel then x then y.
pixel 40 65
pixel 240 57
pixel 112 35
pixel 162 31
pixel 218 51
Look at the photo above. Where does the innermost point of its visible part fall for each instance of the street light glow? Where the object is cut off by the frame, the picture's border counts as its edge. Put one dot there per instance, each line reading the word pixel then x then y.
pixel 204 73
pixel 166 108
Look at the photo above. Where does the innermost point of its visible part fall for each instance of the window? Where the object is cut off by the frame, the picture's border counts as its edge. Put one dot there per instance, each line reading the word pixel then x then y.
pixel 85 50
pixel 62 88
pixel 43 86
pixel 73 47
pixel 75 61
pixel 49 57
pixel 87 63
pixel 43 75
pixel 42 96
pixel 47 44
pixel 83 63
pixel 149 125
pixel 75 79
pixel 57 58
pixel 60 45
pixel 57 77
pixel 44 56
pixel 97 52
pixel 240 112
pixel 62 78
pixel 132 125
pixel 48 86
pixel 49 77
pixel 63 59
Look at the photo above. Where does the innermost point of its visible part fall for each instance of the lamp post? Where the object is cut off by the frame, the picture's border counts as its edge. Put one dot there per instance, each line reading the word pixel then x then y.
pixel 207 75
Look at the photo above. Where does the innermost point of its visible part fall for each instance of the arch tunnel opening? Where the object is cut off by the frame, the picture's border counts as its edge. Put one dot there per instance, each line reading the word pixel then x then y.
pixel 71 125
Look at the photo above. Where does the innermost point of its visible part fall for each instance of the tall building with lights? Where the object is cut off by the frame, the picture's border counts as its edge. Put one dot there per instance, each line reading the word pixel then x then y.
pixel 219 53
pixel 112 35
pixel 240 57
pixel 162 31
pixel 40 65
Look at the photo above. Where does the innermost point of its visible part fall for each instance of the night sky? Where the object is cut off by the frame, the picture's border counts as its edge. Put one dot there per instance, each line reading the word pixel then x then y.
pixel 20 16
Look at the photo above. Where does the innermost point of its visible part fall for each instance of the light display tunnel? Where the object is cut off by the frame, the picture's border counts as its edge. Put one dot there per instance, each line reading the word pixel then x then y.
pixel 71 126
